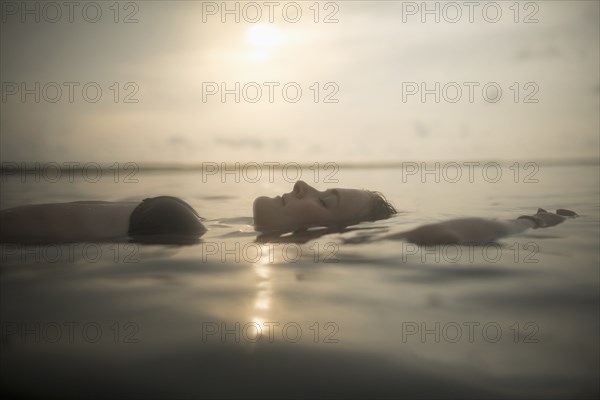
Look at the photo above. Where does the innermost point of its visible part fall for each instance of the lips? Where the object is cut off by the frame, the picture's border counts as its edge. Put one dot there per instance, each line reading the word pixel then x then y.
pixel 281 199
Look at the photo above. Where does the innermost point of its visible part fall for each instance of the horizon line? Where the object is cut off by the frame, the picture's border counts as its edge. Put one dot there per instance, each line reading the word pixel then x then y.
pixel 12 166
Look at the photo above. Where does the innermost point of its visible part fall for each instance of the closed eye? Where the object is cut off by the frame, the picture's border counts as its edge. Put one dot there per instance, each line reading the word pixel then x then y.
pixel 328 201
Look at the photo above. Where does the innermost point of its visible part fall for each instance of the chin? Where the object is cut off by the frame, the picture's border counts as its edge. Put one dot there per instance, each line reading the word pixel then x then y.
pixel 259 210
pixel 260 204
pixel 259 200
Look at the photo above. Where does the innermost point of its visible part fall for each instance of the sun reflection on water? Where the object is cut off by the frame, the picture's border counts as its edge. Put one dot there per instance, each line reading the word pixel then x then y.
pixel 262 302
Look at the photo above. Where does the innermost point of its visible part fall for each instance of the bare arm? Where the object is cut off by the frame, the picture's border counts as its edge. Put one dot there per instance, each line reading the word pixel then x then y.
pixel 478 231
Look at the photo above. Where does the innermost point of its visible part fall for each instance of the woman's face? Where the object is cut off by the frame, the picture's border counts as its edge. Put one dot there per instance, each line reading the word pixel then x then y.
pixel 305 206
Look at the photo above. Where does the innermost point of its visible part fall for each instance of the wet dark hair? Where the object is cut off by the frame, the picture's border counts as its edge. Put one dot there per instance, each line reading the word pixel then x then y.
pixel 379 208
pixel 165 219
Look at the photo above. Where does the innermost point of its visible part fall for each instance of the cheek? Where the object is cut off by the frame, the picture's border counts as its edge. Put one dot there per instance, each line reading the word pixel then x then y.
pixel 308 212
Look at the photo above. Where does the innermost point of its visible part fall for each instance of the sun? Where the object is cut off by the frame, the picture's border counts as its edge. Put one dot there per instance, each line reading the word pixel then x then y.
pixel 264 37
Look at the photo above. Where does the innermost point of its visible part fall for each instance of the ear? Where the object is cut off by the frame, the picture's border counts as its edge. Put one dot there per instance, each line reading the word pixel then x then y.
pixel 541 210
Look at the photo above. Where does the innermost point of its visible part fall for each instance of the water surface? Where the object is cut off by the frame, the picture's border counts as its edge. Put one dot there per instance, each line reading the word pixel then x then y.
pixel 518 319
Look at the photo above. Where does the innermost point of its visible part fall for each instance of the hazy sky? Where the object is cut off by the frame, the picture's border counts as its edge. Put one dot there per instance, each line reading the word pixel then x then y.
pixel 375 61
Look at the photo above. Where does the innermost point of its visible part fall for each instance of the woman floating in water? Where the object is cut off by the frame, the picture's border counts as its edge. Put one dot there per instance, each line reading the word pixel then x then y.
pixel 336 209
pixel 168 219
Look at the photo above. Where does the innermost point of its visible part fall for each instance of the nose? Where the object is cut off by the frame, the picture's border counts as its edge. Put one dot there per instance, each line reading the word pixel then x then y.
pixel 301 188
